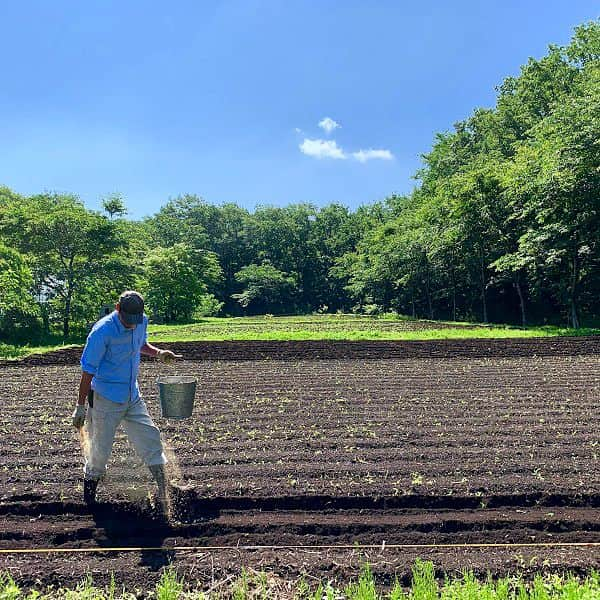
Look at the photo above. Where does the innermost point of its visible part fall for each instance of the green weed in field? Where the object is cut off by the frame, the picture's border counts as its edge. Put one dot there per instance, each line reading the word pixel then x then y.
pixel 170 586
pixel 8 588
pixel 241 587
pixel 364 589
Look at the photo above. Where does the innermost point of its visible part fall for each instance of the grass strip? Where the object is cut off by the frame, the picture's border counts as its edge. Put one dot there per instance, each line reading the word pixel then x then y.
pixel 259 584
pixel 181 333
pixel 317 327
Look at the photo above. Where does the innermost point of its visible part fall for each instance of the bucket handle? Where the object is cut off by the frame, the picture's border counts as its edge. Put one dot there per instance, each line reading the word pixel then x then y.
pixel 170 362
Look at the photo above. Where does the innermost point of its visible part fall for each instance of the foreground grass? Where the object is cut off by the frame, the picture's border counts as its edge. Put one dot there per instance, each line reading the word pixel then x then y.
pixel 319 327
pixel 253 584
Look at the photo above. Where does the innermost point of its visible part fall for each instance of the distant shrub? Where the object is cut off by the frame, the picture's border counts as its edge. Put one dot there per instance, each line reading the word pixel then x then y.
pixel 371 309
pixel 209 306
pixel 21 326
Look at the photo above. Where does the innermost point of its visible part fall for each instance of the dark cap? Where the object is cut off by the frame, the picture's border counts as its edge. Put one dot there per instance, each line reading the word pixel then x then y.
pixel 131 307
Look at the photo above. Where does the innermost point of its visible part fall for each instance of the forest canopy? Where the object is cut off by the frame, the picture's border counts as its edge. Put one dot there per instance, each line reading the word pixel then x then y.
pixel 503 225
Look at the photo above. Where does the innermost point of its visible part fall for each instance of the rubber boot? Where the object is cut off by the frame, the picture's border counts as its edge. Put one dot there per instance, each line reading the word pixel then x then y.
pixel 89 491
pixel 158 472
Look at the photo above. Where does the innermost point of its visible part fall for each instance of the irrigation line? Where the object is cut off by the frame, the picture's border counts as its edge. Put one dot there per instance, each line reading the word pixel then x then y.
pixel 382 546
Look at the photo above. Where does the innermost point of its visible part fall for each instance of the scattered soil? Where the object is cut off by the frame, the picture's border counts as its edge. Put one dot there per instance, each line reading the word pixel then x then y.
pixel 319 443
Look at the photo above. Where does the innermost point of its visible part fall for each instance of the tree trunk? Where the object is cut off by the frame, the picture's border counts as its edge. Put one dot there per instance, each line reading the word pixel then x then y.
pixel 45 318
pixel 67 315
pixel 482 281
pixel 453 281
pixel 453 276
pixel 574 317
pixel 521 303
pixel 68 299
pixel 428 291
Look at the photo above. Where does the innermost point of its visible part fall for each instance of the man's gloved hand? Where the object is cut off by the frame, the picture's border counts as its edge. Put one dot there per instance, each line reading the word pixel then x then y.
pixel 79 416
pixel 167 355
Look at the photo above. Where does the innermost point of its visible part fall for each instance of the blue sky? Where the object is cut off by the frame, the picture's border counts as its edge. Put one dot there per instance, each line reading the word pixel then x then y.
pixel 224 99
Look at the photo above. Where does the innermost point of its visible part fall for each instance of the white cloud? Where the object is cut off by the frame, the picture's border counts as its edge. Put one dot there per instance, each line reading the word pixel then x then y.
pixel 370 154
pixel 298 130
pixel 322 149
pixel 328 125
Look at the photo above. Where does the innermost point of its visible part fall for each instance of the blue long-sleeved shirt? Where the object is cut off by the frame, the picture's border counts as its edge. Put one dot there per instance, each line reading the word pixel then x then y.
pixel 112 356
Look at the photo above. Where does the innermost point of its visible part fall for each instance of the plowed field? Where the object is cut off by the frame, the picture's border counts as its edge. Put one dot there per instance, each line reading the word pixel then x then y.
pixel 320 444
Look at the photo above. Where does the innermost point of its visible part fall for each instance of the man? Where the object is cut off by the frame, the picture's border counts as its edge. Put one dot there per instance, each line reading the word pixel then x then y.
pixel 110 364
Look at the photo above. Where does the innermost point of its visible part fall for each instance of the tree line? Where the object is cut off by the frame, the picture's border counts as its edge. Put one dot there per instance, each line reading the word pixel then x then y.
pixel 503 225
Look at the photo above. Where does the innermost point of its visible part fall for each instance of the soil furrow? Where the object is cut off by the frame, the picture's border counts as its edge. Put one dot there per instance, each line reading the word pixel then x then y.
pixel 321 443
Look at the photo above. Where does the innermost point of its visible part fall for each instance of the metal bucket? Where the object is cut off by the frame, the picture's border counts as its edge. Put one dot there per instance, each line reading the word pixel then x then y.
pixel 176 396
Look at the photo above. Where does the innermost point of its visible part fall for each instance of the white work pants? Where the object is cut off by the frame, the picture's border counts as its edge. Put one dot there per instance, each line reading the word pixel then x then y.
pixel 102 422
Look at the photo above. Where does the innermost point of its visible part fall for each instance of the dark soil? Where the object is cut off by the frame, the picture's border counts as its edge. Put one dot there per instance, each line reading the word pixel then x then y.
pixel 332 349
pixel 376 443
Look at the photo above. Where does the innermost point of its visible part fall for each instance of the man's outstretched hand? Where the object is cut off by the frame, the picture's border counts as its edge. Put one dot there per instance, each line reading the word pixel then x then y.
pixel 168 355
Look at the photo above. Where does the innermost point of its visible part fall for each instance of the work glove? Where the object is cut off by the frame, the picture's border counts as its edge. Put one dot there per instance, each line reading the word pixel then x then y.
pixel 79 416
pixel 167 355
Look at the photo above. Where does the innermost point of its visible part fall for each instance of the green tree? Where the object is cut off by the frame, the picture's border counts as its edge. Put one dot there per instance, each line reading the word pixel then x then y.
pixel 113 205
pixel 177 222
pixel 554 187
pixel 266 289
pixel 68 246
pixel 282 236
pixel 335 231
pixel 177 278
pixel 19 314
